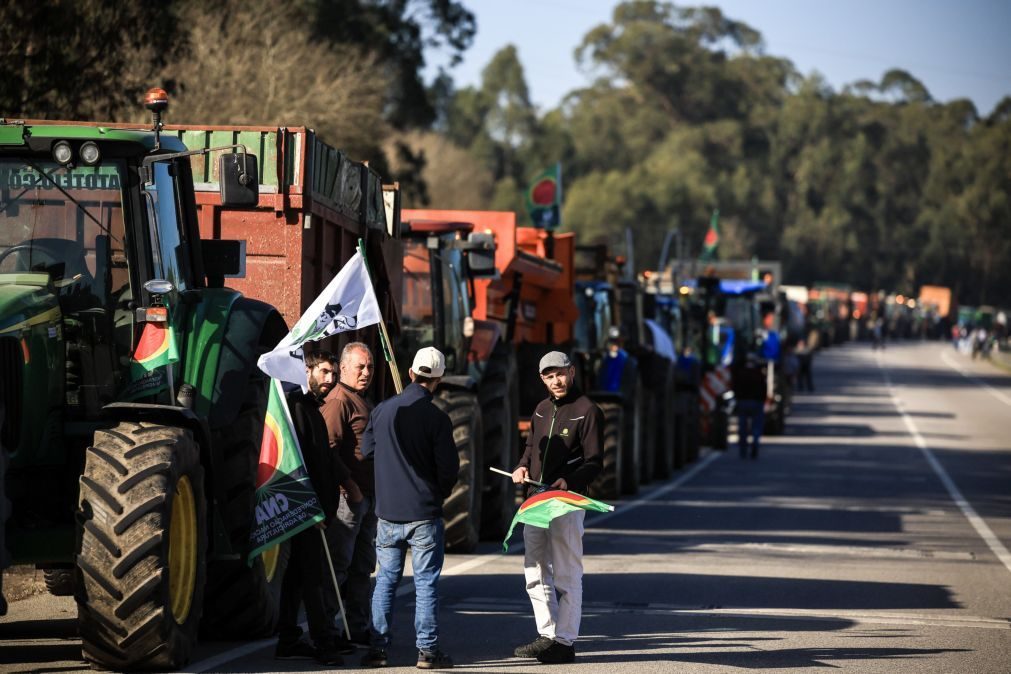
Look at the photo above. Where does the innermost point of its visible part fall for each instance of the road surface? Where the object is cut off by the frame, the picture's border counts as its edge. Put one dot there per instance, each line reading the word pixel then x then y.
pixel 872 537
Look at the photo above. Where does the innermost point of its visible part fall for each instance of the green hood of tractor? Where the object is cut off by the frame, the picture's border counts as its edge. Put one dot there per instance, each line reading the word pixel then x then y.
pixel 25 300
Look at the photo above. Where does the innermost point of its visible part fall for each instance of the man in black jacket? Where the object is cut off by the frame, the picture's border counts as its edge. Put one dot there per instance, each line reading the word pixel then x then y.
pixel 416 467
pixel 304 577
pixel 564 450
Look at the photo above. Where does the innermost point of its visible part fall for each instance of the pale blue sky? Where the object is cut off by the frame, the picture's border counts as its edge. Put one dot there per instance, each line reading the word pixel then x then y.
pixel 958 49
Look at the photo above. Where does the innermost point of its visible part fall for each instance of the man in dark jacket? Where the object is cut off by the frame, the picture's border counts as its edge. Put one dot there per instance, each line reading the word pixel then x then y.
pixel 750 390
pixel 416 467
pixel 304 578
pixel 564 450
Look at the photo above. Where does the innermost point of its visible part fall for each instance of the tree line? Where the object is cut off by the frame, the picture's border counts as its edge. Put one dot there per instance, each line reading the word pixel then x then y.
pixel 876 185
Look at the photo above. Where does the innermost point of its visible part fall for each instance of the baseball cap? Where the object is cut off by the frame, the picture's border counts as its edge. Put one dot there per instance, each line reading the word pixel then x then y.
pixel 553 359
pixel 429 362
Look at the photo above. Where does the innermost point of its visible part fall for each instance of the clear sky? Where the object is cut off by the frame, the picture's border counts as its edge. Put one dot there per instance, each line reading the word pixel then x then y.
pixel 957 48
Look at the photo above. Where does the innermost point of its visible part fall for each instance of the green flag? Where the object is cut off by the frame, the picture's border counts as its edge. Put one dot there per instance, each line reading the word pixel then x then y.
pixel 712 240
pixel 544 198
pixel 285 501
pixel 540 509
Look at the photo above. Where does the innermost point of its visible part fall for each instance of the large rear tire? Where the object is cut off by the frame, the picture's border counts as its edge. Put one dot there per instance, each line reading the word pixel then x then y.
pixel 60 582
pixel 632 433
pixel 5 507
pixel 143 547
pixel 500 399
pixel 462 510
pixel 242 601
pixel 608 483
pixel 666 428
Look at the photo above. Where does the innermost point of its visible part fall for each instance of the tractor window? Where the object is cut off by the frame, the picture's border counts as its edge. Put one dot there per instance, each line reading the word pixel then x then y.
pixel 454 295
pixel 417 325
pixel 170 255
pixel 67 223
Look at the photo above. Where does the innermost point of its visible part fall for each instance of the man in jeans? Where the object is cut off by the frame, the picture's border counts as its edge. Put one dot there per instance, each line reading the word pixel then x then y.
pixel 564 450
pixel 416 466
pixel 351 535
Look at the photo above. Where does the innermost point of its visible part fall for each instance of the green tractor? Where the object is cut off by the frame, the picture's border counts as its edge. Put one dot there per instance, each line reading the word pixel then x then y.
pixel 131 407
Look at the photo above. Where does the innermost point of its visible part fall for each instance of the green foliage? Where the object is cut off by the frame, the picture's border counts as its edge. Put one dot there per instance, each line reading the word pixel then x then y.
pixel 877 186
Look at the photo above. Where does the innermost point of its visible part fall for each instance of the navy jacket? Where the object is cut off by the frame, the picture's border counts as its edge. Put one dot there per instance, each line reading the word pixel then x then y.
pixel 417 465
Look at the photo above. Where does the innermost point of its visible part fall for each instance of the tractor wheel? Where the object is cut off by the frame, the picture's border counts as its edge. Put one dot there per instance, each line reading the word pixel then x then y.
pixel 500 399
pixel 665 430
pixel 462 510
pixel 143 547
pixel 608 483
pixel 5 508
pixel 647 460
pixel 720 428
pixel 632 435
pixel 242 601
pixel 60 582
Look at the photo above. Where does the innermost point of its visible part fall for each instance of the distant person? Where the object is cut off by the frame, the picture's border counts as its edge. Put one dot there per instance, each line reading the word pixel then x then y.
pixel 564 450
pixel 750 391
pixel 303 580
pixel 416 467
pixel 351 535
pixel 878 333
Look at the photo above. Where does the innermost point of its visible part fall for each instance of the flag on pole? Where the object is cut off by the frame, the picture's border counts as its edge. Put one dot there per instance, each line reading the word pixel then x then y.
pixel 157 343
pixel 540 509
pixel 347 303
pixel 285 500
pixel 544 198
pixel 712 240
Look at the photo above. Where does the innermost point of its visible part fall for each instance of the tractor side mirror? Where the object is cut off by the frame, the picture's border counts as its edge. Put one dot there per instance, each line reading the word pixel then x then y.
pixel 481 255
pixel 239 180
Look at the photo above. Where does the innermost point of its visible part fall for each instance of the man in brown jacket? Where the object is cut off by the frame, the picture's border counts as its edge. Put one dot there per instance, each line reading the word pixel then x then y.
pixel 351 533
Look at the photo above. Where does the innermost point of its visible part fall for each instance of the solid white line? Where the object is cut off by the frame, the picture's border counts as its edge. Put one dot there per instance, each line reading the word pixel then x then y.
pixel 459 569
pixel 977 522
pixel 957 367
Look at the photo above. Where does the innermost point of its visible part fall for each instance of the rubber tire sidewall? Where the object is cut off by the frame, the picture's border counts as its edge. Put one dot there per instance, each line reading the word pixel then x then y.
pixel 462 510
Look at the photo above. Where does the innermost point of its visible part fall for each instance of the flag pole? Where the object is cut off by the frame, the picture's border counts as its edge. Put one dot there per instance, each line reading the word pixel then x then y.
pixel 336 588
pixel 384 336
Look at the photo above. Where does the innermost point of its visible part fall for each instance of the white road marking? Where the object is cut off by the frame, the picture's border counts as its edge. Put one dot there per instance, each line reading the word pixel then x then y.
pixel 462 568
pixel 977 522
pixel 957 367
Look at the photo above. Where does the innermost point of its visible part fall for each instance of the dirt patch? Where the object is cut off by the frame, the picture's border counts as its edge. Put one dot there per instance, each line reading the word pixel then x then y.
pixel 21 582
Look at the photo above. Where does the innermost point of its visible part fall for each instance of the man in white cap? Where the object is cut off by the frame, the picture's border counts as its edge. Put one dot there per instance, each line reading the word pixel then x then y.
pixel 416 467
pixel 565 451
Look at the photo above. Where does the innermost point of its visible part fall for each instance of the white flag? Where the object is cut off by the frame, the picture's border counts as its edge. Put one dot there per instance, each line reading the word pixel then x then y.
pixel 347 303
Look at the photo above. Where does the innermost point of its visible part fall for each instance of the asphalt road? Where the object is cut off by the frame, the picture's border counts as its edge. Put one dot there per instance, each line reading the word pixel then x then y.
pixel 872 537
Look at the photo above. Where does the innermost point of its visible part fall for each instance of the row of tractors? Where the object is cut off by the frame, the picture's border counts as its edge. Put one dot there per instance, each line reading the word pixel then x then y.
pixel 133 487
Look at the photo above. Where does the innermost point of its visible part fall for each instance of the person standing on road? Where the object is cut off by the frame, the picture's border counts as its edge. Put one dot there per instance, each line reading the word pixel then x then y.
pixel 564 450
pixel 304 577
pixel 416 467
pixel 748 379
pixel 351 535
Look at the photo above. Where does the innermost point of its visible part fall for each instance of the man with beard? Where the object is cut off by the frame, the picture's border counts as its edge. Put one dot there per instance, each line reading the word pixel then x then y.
pixel 304 578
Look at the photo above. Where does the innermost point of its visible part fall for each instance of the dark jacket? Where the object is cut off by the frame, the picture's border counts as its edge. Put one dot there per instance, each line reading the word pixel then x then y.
pixel 748 379
pixel 416 462
pixel 346 414
pixel 326 470
pixel 566 441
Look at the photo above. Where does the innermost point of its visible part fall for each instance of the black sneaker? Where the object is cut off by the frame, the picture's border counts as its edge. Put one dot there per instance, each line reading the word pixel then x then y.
pixel 361 638
pixel 342 645
pixel 434 660
pixel 295 650
pixel 533 648
pixel 376 657
pixel 557 654
pixel 329 656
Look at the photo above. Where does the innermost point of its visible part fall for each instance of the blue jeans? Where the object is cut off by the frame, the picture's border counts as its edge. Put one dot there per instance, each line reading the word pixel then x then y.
pixel 426 539
pixel 750 413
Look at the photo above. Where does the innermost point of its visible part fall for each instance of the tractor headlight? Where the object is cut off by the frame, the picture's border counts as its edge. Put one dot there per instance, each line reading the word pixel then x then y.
pixel 90 154
pixel 62 152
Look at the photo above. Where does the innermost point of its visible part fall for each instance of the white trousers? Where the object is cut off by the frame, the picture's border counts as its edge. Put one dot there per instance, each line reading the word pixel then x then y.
pixel 553 568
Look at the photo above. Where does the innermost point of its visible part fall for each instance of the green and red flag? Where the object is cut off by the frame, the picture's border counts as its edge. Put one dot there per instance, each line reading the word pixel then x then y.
pixel 285 500
pixel 544 198
pixel 712 240
pixel 157 343
pixel 540 509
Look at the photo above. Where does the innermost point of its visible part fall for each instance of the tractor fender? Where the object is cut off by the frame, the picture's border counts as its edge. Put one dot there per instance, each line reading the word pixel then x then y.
pixel 253 328
pixel 460 382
